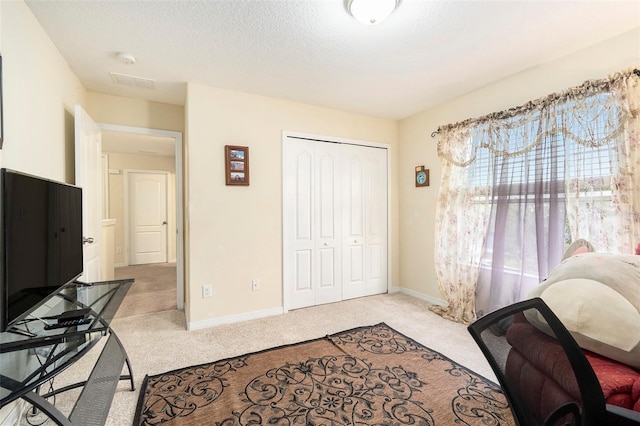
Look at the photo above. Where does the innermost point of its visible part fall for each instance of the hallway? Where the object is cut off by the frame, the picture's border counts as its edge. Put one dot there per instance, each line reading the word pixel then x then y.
pixel 154 289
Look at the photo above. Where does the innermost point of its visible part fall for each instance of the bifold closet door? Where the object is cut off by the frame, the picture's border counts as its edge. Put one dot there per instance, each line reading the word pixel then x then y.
pixel 311 223
pixel 364 221
pixel 334 222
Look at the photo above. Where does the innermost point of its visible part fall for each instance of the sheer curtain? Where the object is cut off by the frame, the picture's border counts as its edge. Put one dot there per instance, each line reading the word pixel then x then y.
pixel 519 185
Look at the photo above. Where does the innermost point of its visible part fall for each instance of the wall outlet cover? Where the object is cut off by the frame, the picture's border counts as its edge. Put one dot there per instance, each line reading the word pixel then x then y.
pixel 207 291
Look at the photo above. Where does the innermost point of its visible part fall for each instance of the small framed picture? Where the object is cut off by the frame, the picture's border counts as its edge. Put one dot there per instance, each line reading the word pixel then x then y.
pixel 422 176
pixel 237 165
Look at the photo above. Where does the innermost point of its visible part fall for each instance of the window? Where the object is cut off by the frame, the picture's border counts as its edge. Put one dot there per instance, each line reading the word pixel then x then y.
pixel 523 183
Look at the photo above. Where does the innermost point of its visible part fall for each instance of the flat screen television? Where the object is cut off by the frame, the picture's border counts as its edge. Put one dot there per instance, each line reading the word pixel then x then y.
pixel 41 248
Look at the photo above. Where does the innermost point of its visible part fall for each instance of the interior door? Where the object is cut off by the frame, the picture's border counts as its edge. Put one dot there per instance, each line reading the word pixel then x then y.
pixel 311 216
pixel 88 153
pixel 364 221
pixel 148 217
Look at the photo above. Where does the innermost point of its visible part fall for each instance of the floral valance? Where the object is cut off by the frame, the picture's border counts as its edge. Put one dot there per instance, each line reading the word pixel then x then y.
pixel 591 114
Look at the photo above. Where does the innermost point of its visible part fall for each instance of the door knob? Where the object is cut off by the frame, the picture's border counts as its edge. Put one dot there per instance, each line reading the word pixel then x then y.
pixel 164 222
pixel 87 240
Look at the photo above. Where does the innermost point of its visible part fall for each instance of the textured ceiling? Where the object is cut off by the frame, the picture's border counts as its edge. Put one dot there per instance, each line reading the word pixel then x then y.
pixel 312 51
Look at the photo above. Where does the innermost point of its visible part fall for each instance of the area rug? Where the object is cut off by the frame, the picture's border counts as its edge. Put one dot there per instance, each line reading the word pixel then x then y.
pixel 365 376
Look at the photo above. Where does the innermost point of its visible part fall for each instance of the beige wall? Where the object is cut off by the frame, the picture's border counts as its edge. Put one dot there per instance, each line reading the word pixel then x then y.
pixel 39 94
pixel 122 162
pixel 236 232
pixel 109 109
pixel 418 205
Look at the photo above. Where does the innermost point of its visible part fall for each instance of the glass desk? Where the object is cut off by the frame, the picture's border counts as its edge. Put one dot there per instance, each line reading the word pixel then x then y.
pixel 30 355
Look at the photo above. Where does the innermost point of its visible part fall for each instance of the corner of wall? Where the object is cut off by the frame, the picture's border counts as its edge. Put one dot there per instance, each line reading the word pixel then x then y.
pixel 424 297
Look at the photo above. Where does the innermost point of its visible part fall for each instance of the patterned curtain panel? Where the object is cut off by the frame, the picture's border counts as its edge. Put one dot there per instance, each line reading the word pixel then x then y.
pixel 519 185
pixel 603 204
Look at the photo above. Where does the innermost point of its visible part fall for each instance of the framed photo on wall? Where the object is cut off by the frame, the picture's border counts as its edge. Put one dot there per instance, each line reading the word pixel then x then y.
pixel 236 165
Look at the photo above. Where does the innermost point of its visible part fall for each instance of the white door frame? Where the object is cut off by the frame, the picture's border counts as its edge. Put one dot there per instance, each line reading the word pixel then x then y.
pixel 332 139
pixel 127 210
pixel 179 200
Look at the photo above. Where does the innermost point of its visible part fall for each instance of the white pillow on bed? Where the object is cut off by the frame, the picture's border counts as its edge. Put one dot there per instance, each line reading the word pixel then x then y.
pixel 597 298
pixel 614 320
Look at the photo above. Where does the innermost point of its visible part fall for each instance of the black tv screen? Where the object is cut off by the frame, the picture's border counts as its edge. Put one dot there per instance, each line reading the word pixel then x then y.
pixel 41 244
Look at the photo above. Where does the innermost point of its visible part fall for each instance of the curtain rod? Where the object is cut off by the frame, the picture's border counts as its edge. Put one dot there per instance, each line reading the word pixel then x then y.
pixel 635 71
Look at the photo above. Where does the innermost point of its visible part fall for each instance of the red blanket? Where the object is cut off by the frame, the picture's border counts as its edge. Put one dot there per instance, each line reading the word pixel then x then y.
pixel 620 383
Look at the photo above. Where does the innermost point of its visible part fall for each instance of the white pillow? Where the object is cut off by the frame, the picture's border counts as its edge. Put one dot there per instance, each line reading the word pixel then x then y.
pixel 595 311
pixel 597 298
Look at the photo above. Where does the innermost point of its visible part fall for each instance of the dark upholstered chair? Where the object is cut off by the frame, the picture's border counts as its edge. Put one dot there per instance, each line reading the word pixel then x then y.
pixel 543 372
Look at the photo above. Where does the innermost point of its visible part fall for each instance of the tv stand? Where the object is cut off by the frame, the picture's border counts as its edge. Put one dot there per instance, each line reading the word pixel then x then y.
pixel 32 356
pixel 21 332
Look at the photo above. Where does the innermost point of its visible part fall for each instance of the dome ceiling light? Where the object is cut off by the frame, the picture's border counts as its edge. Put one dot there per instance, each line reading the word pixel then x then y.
pixel 371 12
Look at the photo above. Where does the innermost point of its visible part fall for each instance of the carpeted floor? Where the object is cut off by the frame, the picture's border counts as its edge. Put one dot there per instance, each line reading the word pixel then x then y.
pixel 153 291
pixel 159 342
pixel 370 375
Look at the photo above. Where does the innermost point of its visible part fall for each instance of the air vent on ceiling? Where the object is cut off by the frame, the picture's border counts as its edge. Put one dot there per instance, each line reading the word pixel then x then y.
pixel 131 81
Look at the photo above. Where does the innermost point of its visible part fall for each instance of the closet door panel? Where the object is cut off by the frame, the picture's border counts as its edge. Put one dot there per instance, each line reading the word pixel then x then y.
pixel 304 207
pixel 353 200
pixel 298 243
pixel 354 176
pixel 327 239
pixel 356 265
pixel 303 271
pixel 375 221
pixel 327 197
pixel 327 268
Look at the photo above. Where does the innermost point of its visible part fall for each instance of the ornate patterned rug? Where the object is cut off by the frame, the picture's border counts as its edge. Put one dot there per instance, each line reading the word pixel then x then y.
pixel 365 376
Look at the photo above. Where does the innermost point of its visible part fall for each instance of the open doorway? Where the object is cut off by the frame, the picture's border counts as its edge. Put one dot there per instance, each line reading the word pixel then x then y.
pixel 128 153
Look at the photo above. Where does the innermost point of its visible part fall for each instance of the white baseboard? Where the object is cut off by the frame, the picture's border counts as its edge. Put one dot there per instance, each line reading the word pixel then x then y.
pixel 229 319
pixel 197 325
pixel 120 265
pixel 421 296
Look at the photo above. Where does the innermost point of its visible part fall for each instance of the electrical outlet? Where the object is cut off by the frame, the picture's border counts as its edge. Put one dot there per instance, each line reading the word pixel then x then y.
pixel 255 285
pixel 207 290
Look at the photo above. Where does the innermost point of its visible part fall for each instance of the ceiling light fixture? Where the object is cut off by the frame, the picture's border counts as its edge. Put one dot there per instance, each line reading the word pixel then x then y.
pixel 371 12
pixel 126 58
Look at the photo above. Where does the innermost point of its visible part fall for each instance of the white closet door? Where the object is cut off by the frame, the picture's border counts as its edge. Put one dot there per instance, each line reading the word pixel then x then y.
pixel 311 223
pixel 364 221
pixel 328 237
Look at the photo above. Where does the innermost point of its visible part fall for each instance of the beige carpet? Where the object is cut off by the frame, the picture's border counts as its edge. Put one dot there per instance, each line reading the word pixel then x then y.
pixel 153 291
pixel 159 342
